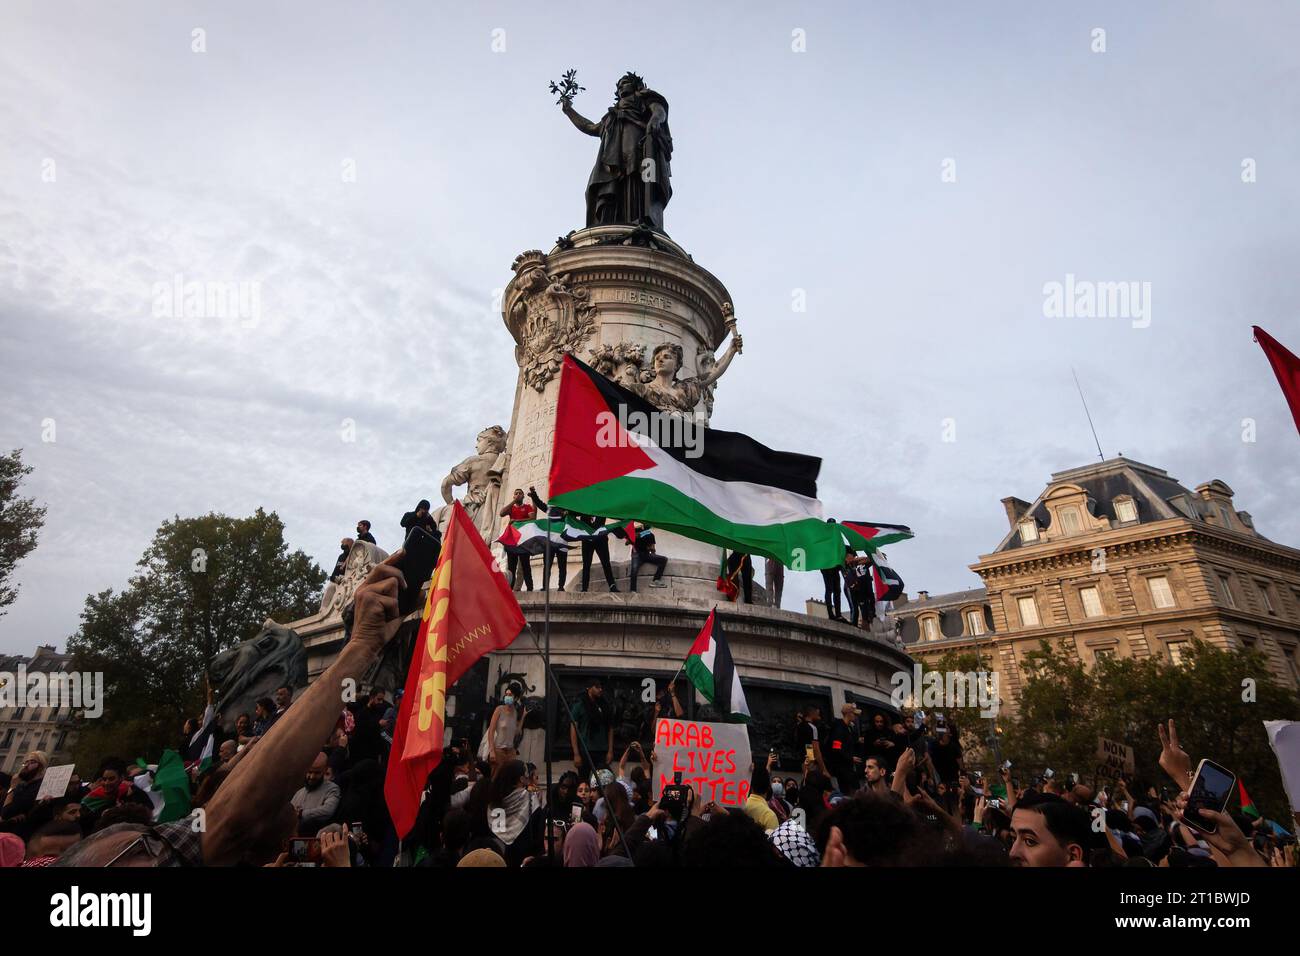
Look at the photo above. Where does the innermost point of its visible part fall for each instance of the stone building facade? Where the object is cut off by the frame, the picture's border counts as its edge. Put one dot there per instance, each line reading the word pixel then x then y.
pixel 1119 559
pixel 24 729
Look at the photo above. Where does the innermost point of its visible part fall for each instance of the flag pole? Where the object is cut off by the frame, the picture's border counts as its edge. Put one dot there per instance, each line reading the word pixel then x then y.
pixel 550 711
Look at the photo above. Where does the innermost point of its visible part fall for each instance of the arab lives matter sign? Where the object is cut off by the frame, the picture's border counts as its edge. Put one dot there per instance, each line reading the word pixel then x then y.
pixel 713 759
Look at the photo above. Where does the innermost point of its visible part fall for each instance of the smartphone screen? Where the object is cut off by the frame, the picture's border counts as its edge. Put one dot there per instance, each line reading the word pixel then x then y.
pixel 577 813
pixel 1210 790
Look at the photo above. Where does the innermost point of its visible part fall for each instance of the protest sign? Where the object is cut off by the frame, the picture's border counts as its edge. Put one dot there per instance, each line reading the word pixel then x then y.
pixel 713 759
pixel 55 781
pixel 1114 758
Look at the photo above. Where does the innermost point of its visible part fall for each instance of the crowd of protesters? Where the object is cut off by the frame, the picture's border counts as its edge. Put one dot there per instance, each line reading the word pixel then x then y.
pixel 300 782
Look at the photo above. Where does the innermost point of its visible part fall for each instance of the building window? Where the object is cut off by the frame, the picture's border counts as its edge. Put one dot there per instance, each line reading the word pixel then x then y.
pixel 63 739
pixel 1028 531
pixel 1104 654
pixel 1126 510
pixel 930 629
pixel 1070 522
pixel 1028 611
pixel 1161 596
pixel 1091 602
pixel 1225 516
pixel 975 622
pixel 1177 652
pixel 1292 660
pixel 1225 591
pixel 1264 597
pixel 9 739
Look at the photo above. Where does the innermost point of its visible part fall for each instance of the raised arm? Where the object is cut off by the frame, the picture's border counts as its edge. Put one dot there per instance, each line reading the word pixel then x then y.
pixel 580 121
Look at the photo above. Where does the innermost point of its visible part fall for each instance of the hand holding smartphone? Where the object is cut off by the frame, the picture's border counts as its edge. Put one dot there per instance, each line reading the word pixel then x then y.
pixel 1211 787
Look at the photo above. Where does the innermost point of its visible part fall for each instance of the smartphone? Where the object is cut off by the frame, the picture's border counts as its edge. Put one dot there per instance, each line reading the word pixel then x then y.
pixel 1210 790
pixel 576 814
pixel 808 753
pixel 420 553
pixel 356 826
pixel 303 850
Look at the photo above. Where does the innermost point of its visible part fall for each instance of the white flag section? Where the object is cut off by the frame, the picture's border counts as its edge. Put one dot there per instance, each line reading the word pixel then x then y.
pixel 1284 738
pixel 712 759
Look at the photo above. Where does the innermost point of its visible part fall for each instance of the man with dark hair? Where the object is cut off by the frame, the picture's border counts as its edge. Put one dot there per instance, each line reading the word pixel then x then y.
pixel 877 776
pixel 742 565
pixel 807 735
pixel 50 842
pixel 842 756
pixel 643 552
pixel 593 727
pixel 263 716
pixel 597 544
pixel 363 531
pixel 831 583
pixel 420 518
pixel 559 556
pixel 871 830
pixel 21 796
pixel 1050 832
pixel 730 840
pixel 519 510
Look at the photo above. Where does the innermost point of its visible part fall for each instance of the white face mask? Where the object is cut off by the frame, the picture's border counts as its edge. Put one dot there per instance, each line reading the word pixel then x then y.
pixel 508 700
pixel 778 790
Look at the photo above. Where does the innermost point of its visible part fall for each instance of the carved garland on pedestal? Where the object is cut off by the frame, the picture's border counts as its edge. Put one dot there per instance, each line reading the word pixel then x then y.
pixel 550 316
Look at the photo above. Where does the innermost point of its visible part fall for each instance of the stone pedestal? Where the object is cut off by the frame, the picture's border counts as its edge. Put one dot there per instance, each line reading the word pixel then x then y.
pixel 609 303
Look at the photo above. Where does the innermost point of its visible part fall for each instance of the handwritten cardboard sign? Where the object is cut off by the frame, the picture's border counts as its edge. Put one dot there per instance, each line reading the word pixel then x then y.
pixel 55 781
pixel 713 759
pixel 1114 757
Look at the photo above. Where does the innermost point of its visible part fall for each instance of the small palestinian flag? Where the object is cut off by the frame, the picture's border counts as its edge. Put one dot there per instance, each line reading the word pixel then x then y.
pixel 871 535
pixel 724 583
pixel 611 456
pixel 888 585
pixel 201 746
pixel 578 530
pixel 529 536
pixel 711 669
pixel 1247 804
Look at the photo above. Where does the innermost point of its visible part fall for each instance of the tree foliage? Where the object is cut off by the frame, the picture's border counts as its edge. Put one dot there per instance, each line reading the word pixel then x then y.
pixel 203 585
pixel 1218 699
pixel 20 523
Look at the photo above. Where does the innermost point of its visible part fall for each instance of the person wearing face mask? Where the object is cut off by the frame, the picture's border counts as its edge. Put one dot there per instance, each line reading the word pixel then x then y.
pixel 778 803
pixel 501 740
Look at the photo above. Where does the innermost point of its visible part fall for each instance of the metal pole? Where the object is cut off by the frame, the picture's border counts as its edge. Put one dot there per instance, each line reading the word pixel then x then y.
pixel 550 713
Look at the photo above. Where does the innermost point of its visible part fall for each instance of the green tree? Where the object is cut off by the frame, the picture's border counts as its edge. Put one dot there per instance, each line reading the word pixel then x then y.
pixel 1218 699
pixel 203 585
pixel 20 523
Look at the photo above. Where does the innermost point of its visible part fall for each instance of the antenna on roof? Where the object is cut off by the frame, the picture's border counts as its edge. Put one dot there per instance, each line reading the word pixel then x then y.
pixel 1100 455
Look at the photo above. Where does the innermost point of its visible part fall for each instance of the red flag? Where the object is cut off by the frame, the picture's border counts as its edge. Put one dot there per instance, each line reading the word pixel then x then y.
pixel 1286 367
pixel 469 612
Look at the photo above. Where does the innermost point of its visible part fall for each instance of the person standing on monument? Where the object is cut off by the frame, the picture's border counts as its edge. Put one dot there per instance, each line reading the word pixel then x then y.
pixel 519 510
pixel 558 555
pixel 643 552
pixel 420 518
pixel 363 532
pixel 345 546
pixel 742 565
pixel 597 544
pixel 775 579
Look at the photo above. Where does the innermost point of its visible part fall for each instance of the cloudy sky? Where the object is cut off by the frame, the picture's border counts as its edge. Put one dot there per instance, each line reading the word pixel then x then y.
pixel 815 149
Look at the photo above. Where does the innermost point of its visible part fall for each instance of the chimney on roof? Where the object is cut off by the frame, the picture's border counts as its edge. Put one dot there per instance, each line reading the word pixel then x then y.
pixel 922 595
pixel 1015 510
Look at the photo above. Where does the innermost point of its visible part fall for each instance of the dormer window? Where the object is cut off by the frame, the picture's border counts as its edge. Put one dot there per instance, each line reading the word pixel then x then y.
pixel 930 628
pixel 1225 516
pixel 1126 510
pixel 1028 531
pixel 1070 522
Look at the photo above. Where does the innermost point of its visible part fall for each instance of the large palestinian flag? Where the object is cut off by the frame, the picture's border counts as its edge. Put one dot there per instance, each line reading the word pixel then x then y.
pixel 711 669
pixel 721 487
pixel 872 535
pixel 529 536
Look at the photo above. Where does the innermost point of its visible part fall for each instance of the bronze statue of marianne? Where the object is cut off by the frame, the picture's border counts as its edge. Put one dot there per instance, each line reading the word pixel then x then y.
pixel 631 180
